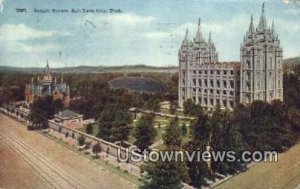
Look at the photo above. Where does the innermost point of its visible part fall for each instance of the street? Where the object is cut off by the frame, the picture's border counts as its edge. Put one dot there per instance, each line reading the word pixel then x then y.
pixel 30 160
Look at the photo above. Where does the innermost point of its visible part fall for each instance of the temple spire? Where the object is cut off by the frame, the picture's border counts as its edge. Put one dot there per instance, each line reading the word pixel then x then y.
pixel 273 27
pixel 262 22
pixel 209 38
pixel 186 41
pixel 198 35
pixel 251 27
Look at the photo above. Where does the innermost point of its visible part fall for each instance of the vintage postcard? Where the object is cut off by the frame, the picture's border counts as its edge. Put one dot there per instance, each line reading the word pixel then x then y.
pixel 150 94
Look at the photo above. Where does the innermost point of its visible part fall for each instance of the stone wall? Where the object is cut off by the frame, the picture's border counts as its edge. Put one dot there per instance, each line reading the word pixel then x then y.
pixel 109 148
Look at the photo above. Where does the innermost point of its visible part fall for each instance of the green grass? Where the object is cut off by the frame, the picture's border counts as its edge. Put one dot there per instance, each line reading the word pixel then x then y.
pixel 160 147
pixel 131 138
pixel 163 122
pixel 159 135
pixel 158 120
pixel 164 110
pixel 167 111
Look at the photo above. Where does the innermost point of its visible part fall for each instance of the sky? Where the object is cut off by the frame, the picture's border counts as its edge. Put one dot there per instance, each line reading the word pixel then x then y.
pixel 136 32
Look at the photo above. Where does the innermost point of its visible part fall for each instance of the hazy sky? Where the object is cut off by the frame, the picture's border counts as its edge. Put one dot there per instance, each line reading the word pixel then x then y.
pixel 146 32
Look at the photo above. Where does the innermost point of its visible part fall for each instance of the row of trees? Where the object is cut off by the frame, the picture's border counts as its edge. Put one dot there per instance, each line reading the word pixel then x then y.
pixel 93 95
pixel 258 127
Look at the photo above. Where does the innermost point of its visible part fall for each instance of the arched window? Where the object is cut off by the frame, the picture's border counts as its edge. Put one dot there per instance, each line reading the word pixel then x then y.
pixel 224 103
pixel 248 64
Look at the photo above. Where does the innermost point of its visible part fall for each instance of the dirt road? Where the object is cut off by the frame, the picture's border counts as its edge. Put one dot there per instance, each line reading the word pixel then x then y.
pixel 30 160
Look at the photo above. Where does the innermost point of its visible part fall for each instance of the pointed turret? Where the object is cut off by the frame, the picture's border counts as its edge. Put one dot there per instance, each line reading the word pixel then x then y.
pixel 262 26
pixel 251 27
pixel 47 69
pixel 199 34
pixel 186 40
pixel 209 38
pixel 273 27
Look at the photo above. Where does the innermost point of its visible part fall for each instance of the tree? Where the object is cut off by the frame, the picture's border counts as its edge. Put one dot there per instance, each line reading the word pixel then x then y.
pixel 225 136
pixel 105 120
pixel 81 140
pixel 191 109
pixel 188 106
pixel 120 131
pixel 144 132
pixel 183 129
pixel 173 107
pixel 172 134
pixel 96 149
pixel 43 109
pixel 114 125
pixel 234 142
pixel 105 131
pixel 38 114
pixel 89 129
pixel 161 175
pixel 172 140
pixel 267 119
pixel 123 116
pixel 199 170
pixel 153 105
pixel 218 121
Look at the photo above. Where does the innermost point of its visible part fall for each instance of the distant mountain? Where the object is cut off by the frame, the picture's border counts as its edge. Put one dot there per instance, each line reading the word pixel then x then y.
pixel 103 69
pixel 140 84
pixel 92 69
pixel 295 60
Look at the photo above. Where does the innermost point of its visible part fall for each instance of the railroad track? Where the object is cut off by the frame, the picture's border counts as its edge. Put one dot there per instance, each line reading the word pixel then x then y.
pixel 53 175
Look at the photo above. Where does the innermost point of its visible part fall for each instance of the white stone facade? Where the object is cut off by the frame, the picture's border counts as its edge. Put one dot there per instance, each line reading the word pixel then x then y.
pixel 261 64
pixel 208 82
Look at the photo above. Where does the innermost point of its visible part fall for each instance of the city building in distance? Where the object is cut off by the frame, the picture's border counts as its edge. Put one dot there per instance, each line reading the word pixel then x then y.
pixel 48 86
pixel 209 82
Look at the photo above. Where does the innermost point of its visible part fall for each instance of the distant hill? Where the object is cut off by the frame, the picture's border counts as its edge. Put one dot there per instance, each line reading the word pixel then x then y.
pixel 92 69
pixel 103 69
pixel 141 84
pixel 295 60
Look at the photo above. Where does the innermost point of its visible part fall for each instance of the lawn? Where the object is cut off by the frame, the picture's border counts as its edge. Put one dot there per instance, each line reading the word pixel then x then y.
pixel 160 123
pixel 167 111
